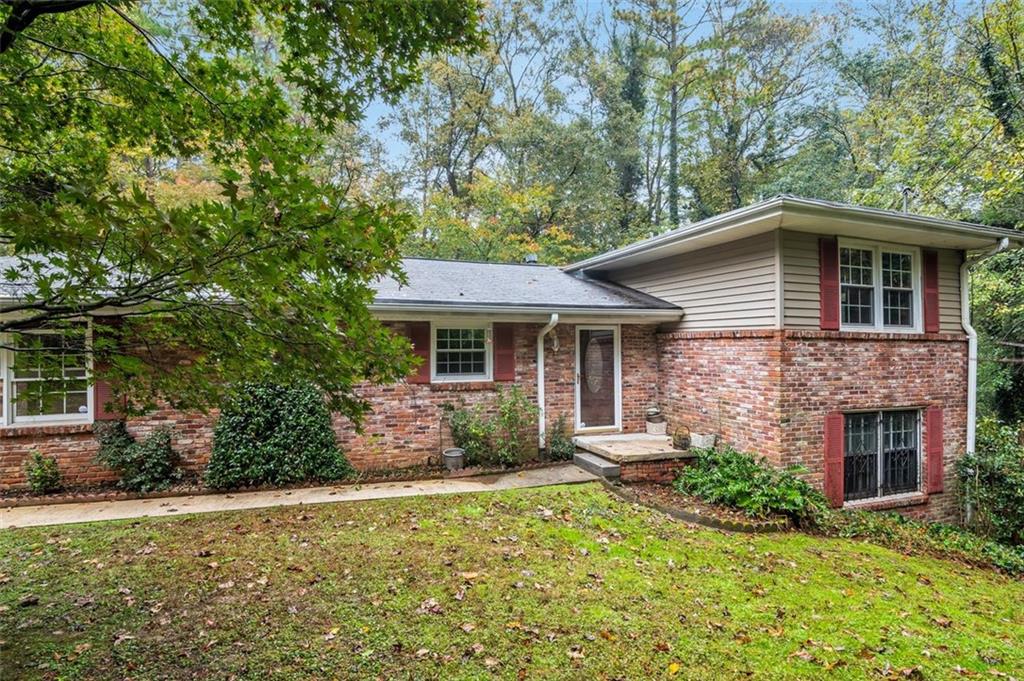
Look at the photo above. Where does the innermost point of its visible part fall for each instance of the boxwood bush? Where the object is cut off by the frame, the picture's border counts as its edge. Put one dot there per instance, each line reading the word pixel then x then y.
pixel 270 434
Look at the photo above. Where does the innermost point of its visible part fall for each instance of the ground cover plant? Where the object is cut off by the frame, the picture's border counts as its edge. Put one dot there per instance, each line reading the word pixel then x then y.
pixel 739 480
pixel 560 582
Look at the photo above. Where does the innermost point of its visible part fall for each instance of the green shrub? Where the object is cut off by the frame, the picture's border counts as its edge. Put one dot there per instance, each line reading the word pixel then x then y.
pixel 506 436
pixel 910 536
pixel 515 427
pixel 740 481
pixel 42 473
pixel 141 466
pixel 560 444
pixel 472 432
pixel 991 483
pixel 271 434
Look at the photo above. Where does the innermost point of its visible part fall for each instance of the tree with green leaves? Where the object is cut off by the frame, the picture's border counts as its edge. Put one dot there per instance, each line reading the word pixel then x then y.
pixel 262 270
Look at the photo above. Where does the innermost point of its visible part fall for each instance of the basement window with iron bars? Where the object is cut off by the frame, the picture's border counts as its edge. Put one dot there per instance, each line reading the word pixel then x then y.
pixel 46 376
pixel 882 454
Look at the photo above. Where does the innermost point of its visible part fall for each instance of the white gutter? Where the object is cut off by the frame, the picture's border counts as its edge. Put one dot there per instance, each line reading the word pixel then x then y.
pixel 541 420
pixel 972 339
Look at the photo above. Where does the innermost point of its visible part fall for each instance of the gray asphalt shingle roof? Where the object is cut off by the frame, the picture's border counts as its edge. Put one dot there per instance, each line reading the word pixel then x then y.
pixel 468 284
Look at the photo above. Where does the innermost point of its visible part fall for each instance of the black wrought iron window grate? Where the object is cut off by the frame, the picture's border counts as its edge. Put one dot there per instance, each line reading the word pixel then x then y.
pixel 882 454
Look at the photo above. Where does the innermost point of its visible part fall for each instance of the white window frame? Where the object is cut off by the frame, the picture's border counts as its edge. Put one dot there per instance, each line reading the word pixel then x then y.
pixel 488 328
pixel 617 345
pixel 880 474
pixel 877 248
pixel 8 418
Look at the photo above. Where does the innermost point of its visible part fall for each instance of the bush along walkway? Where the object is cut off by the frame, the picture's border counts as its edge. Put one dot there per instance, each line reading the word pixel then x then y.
pixel 61 514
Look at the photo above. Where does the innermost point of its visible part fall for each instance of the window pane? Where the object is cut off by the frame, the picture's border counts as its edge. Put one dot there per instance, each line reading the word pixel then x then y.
pixel 897 308
pixel 860 463
pixel 897 289
pixel 856 277
pixel 900 452
pixel 857 303
pixel 460 353
pixel 855 267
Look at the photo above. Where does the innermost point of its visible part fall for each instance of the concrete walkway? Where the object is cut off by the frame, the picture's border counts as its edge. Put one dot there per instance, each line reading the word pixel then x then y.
pixel 62 514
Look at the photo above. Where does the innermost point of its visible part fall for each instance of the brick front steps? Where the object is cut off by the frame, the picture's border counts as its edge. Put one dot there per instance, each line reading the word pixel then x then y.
pixel 634 457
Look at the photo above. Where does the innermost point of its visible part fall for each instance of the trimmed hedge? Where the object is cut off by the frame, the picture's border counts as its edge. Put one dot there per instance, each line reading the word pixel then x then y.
pixel 270 434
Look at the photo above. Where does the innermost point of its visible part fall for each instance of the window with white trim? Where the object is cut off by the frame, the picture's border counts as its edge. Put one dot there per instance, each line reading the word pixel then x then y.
pixel 461 353
pixel 882 453
pixel 46 377
pixel 879 287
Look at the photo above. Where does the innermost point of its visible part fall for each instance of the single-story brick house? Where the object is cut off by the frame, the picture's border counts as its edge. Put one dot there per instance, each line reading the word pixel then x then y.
pixel 828 335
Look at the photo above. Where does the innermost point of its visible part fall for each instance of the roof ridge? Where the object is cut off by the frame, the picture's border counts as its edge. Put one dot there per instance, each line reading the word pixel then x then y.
pixel 481 262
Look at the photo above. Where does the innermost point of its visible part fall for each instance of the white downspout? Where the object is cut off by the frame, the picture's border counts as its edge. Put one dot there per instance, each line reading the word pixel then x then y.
pixel 972 339
pixel 541 419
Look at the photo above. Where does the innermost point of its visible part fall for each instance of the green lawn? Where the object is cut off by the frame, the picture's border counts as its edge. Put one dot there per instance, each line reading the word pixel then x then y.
pixel 565 582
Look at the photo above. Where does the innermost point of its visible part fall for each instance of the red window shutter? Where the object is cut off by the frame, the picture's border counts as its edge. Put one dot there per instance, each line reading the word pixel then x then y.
pixel 828 276
pixel 935 449
pixel 504 352
pixel 931 291
pixel 103 406
pixel 419 336
pixel 834 458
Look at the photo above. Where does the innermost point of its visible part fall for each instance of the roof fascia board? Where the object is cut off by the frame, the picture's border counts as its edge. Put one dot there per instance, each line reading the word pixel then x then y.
pixel 390 310
pixel 906 221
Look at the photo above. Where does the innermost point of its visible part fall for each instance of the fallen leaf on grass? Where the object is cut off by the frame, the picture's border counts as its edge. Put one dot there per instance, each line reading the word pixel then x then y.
pixel 431 607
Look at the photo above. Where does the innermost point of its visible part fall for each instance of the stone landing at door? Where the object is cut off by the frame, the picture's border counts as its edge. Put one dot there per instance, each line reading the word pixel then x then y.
pixel 634 457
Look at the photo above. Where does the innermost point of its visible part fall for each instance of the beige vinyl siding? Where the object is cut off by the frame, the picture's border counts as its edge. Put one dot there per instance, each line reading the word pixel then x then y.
pixel 801 301
pixel 949 291
pixel 729 286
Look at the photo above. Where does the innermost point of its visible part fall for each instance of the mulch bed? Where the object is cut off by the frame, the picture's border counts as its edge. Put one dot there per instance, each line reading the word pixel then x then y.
pixel 195 487
pixel 691 509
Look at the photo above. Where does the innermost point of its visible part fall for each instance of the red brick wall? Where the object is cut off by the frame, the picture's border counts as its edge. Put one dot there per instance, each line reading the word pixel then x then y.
pixel 74 447
pixel 724 382
pixel 829 371
pixel 768 391
pixel 403 429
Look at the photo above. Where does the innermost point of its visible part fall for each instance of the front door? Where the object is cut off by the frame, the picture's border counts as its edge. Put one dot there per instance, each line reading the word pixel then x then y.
pixel 597 377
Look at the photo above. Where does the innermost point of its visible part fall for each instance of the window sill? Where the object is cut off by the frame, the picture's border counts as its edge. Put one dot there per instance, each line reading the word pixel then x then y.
pixel 888 503
pixel 462 386
pixel 53 428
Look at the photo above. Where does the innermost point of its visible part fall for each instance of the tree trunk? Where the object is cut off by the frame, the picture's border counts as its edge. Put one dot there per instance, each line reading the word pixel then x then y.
pixel 673 130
